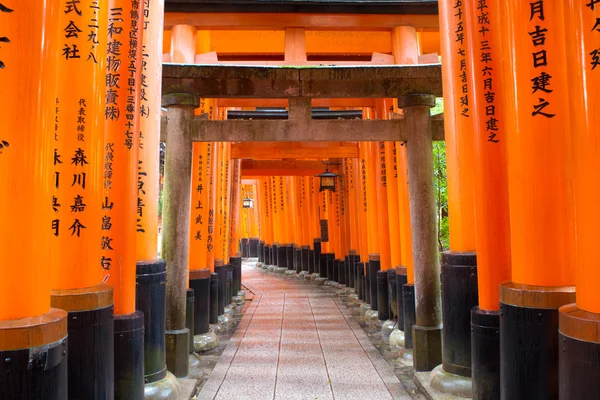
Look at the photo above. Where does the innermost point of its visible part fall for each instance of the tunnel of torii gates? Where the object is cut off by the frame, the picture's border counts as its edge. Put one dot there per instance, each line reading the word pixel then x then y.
pixel 83 292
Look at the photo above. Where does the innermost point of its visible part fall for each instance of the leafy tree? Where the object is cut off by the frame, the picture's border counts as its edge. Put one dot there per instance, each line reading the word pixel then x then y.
pixel 441 187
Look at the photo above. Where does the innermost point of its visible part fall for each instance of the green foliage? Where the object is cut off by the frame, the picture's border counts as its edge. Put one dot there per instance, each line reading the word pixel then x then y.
pixel 441 187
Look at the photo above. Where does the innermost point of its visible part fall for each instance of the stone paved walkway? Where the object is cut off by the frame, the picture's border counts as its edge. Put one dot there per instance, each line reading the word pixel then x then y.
pixel 298 341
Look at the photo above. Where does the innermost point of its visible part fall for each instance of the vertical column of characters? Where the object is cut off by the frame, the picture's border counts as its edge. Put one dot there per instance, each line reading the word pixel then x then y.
pixel 458 126
pixel 211 171
pixel 363 206
pixel 236 204
pixel 343 204
pixel 382 201
pixel 352 207
pixel 391 159
pixel 200 202
pixel 122 112
pixel 79 144
pixel 149 131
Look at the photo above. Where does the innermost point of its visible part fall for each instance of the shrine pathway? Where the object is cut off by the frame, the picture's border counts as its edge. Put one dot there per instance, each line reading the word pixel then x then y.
pixel 298 341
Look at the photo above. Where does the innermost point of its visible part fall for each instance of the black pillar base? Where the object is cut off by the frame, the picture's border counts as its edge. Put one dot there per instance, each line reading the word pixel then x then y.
pixel 91 340
pixel 383 307
pixel 485 354
pixel 222 272
pixel 410 313
pixel 253 243
pixel 214 299
pixel 245 248
pixel 529 345
pixel 229 285
pixel 275 254
pixel 298 259
pixel 335 271
pixel 427 347
pixel 289 254
pixel 579 357
pixel 349 272
pixel 261 251
pixel 317 257
pixel 129 356
pixel 359 280
pixel 401 280
pixel 459 296
pixel 236 263
pixel 39 372
pixel 322 265
pixel 200 282
pixel 311 262
pixel 304 257
pixel 150 299
pixel 392 294
pixel 282 256
pixel 342 272
pixel 374 267
pixel 189 318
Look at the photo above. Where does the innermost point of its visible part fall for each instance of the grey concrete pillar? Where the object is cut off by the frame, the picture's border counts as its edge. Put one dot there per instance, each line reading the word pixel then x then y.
pixel 427 333
pixel 176 224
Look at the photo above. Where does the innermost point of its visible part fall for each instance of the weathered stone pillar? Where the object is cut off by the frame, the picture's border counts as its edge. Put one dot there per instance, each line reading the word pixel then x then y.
pixel 176 224
pixel 427 341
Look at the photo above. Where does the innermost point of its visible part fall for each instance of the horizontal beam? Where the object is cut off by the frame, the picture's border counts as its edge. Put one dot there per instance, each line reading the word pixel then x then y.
pixel 343 102
pixel 251 168
pixel 279 21
pixel 303 131
pixel 216 81
pixel 293 150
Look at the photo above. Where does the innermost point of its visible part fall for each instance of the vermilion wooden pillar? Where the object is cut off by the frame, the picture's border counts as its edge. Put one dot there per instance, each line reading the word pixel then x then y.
pixel 79 237
pixel 579 322
pixel 490 188
pixel 459 272
pixel 119 208
pixel 28 325
pixel 540 197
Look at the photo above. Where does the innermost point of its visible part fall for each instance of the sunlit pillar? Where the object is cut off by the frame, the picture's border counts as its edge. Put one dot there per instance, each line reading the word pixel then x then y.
pixel 540 196
pixel 28 325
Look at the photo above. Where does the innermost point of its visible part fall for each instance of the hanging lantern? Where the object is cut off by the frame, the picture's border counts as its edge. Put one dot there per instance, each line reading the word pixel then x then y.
pixel 248 203
pixel 327 180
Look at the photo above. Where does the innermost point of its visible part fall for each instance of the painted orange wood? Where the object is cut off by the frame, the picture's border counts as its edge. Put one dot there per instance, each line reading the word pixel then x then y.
pixel 150 117
pixel 301 150
pixel 27 115
pixel 492 223
pixel 458 125
pixel 119 209
pixel 78 148
pixel 538 130
pixel 280 21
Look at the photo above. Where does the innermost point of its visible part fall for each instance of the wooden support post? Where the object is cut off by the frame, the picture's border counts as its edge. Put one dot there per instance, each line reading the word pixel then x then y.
pixel 490 186
pixel 183 50
pixel 578 322
pixel 541 221
pixel 427 346
pixel 176 226
pixel 29 327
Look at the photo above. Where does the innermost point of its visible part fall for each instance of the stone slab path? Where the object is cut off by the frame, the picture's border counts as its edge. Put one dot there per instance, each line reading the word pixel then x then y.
pixel 298 341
